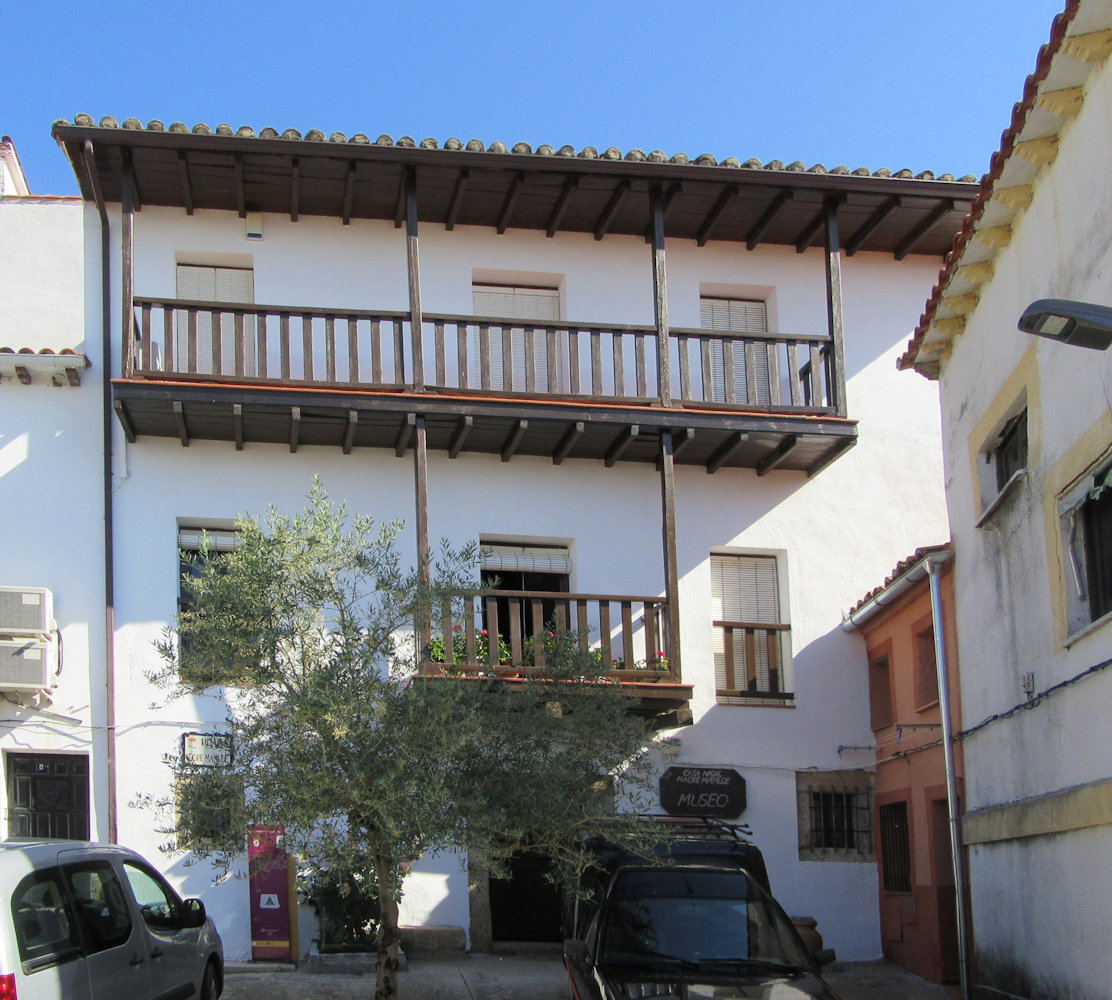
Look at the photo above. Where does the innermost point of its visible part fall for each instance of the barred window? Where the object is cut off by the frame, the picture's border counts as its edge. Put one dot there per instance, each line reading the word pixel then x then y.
pixel 835 815
pixel 895 847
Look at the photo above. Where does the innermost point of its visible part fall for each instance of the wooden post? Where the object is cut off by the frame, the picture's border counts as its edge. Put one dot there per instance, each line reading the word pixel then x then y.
pixel 421 496
pixel 127 298
pixel 671 563
pixel 837 372
pixel 660 299
pixel 416 324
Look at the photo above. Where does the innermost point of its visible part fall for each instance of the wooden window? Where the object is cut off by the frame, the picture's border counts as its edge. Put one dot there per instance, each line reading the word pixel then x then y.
pixel 895 847
pixel 48 795
pixel 926 668
pixel 1086 517
pixel 198 282
pixel 1009 455
pixel 520 302
pixel 835 815
pixel 880 693
pixel 737 316
pixel 750 635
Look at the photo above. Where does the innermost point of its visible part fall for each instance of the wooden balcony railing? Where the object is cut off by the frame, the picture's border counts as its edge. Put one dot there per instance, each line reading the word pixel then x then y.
pixel 336 348
pixel 749 660
pixel 504 632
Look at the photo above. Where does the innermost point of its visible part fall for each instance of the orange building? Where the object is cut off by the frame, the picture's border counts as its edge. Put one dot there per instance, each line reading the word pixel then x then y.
pixel 916 875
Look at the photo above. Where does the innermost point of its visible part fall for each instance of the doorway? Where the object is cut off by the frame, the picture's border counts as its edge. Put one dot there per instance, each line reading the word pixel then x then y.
pixel 527 906
pixel 48 795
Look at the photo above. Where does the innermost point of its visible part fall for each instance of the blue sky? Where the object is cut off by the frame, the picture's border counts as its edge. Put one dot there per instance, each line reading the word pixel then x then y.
pixel 876 83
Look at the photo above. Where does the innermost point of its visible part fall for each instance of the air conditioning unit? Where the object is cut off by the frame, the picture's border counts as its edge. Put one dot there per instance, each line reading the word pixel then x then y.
pixel 26 611
pixel 26 664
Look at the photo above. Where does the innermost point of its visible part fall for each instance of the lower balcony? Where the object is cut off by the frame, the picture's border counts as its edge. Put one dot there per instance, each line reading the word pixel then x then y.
pixel 502 635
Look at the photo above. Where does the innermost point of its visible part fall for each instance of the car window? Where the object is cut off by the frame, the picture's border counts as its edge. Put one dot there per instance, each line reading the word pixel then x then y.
pixel 158 903
pixel 101 905
pixel 43 929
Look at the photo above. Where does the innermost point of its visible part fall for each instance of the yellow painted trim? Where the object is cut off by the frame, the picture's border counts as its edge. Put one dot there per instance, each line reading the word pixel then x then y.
pixel 1017 197
pixel 1090 447
pixel 950 326
pixel 962 305
pixel 1024 377
pixel 1038 151
pixel 976 274
pixel 1093 47
pixel 1065 103
pixel 995 237
pixel 1079 808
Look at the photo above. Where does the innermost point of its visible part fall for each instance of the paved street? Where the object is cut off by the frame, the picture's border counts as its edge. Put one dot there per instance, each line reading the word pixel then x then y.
pixel 494 977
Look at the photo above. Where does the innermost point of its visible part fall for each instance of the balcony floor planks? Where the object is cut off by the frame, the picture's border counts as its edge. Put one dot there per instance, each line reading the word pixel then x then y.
pixel 266 416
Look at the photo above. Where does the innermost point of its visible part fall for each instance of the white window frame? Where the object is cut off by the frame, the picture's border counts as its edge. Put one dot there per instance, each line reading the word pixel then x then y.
pixel 993 494
pixel 1071 504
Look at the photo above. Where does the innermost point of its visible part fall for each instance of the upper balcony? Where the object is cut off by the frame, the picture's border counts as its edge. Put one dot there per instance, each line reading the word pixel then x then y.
pixel 348 378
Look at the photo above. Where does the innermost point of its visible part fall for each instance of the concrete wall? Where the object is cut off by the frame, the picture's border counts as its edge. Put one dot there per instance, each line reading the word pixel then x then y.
pixel 1039 904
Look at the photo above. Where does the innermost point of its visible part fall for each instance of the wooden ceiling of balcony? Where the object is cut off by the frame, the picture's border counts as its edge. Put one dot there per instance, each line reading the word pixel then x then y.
pixel 551 193
pixel 345 421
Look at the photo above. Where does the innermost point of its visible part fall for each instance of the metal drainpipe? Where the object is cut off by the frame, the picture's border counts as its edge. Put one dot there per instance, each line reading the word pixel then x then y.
pixel 106 448
pixel 951 781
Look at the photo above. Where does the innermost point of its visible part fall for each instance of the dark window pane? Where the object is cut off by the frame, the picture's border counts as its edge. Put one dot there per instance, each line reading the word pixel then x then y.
pixel 895 847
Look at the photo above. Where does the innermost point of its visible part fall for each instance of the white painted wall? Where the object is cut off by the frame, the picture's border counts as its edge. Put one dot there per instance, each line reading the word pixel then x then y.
pixel 1040 907
pixel 50 484
pixel 840 532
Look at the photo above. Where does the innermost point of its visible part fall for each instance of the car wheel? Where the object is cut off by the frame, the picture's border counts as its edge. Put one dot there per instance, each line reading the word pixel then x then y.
pixel 209 989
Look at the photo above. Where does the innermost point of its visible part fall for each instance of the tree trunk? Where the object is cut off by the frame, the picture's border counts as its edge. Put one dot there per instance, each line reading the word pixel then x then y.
pixel 386 874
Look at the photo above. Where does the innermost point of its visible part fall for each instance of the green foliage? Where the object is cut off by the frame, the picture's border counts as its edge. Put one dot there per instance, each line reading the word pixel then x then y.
pixel 459 648
pixel 346 903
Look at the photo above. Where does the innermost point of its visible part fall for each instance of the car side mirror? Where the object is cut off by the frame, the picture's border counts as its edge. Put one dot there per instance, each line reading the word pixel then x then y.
pixel 193 913
pixel 825 957
pixel 575 950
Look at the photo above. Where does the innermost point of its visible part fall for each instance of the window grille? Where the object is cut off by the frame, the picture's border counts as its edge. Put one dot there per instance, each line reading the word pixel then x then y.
pixel 895 847
pixel 835 815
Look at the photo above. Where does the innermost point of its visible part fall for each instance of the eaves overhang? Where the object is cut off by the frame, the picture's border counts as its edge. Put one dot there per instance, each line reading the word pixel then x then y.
pixel 498 187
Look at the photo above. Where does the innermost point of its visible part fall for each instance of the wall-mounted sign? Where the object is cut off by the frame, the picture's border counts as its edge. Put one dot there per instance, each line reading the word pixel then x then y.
pixel 702 791
pixel 206 749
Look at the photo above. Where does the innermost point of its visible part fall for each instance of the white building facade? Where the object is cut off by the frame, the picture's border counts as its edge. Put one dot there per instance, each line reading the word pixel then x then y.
pixel 1028 443
pixel 662 390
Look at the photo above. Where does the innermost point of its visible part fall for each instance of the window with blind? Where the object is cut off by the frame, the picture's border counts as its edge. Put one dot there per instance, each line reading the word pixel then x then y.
pixel 517 302
pixel 751 638
pixel 732 367
pixel 202 283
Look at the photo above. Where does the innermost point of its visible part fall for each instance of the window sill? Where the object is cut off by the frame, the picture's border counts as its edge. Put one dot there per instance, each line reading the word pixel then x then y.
pixel 1087 630
pixel 927 706
pixel 997 501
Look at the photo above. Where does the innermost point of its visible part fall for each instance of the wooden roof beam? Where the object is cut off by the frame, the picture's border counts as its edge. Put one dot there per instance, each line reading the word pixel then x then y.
pixel 778 455
pixel 349 432
pixel 295 187
pixel 463 178
pixel 405 433
pixel 129 168
pixel 125 420
pixel 760 227
pixel 567 442
pixel 186 187
pixel 295 428
pixel 400 201
pixel 623 441
pixel 674 190
pixel 463 428
pixel 561 206
pixel 602 227
pixel 237 424
pixel 680 439
pixel 714 216
pixel 509 448
pixel 818 222
pixel 179 419
pixel 505 217
pixel 912 239
pixel 349 192
pixel 723 452
pixel 241 200
pixel 886 208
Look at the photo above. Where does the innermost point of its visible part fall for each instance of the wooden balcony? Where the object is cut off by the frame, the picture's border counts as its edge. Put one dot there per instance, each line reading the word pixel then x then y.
pixel 360 377
pixel 503 635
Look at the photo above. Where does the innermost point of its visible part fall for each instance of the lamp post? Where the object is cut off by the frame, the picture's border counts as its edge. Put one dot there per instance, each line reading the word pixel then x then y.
pixel 1079 323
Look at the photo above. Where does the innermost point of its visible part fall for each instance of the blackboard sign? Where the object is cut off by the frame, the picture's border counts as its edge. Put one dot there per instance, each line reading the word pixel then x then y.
pixel 702 791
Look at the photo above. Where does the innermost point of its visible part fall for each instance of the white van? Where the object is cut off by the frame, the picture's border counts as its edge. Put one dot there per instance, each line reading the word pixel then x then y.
pixel 82 921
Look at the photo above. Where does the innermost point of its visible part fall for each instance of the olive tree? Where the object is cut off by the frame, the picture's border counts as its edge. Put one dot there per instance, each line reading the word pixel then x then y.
pixel 307 631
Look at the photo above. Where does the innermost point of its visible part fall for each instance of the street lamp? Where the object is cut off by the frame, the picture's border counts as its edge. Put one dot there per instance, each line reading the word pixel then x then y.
pixel 1079 323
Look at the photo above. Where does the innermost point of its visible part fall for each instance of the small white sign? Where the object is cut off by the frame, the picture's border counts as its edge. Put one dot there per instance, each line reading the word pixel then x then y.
pixel 207 749
pixel 269 901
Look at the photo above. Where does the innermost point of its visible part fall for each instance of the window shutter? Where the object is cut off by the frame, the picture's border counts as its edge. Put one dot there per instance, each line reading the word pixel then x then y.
pixel 745 589
pixel 215 284
pixel 525 559
pixel 219 540
pixel 736 316
pixel 516 302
